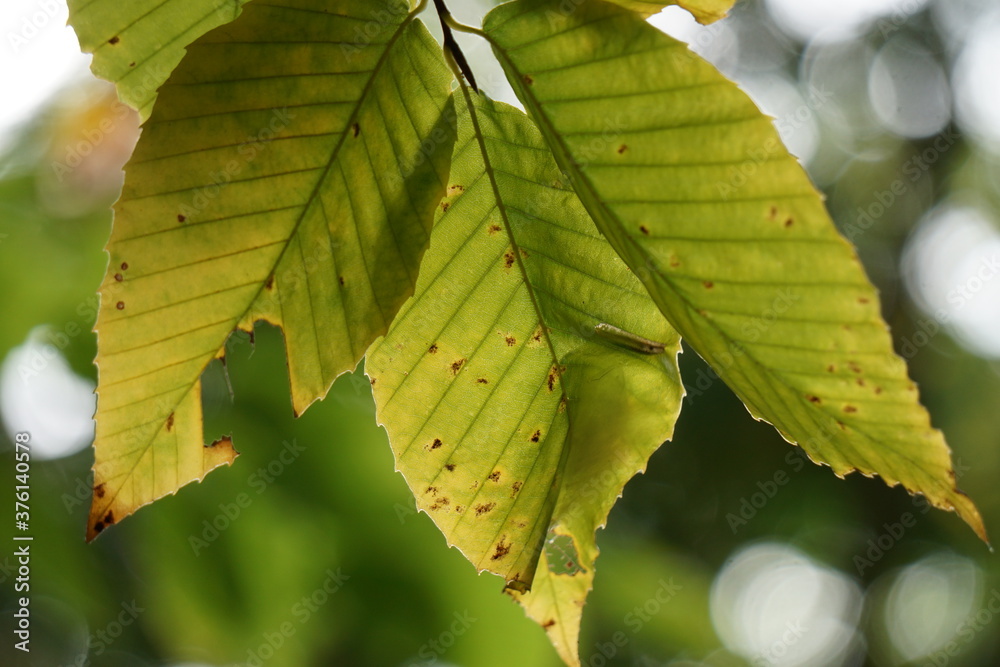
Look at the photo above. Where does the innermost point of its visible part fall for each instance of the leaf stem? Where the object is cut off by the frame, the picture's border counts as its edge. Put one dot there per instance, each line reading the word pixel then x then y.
pixel 455 56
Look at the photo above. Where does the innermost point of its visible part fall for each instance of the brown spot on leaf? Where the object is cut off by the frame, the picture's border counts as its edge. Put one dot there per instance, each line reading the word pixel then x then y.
pixel 433 348
pixel 119 277
pixel 484 508
pixel 170 422
pixel 831 368
pixel 789 222
pixel 501 550
pixel 850 408
pixel 340 279
pixel 842 425
pixel 452 189
pixel 537 337
pixel 862 299
pixel 708 284
pixel 644 229
pixel 132 64
pixel 99 490
pixel 456 366
pixel 355 129
pixel 436 444
pixel 109 519
pixel 494 476
pixel 528 80
pixel 515 487
pixel 549 623
pixel 124 266
pixel 120 305
pixel 773 213
pixel 459 509
pixel 815 399
pixel 270 282
pixel 878 390
pixel 860 382
pixel 445 205
pixel 114 40
pixel 853 366
pixel 493 229
pixel 483 381
pixel 508 259
pixel 431 489
pixel 450 467
pixel 674 262
pixel 181 217
pixel 510 340
pixel 524 253
pixel 536 436
pixel 622 149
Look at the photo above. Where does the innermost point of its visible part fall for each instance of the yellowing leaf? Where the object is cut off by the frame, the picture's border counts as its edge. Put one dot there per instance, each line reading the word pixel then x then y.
pixel 138 43
pixel 705 11
pixel 691 185
pixel 514 423
pixel 286 174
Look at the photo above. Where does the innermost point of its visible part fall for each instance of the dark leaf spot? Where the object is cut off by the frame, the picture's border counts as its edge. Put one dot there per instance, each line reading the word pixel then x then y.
pixel 433 348
pixel 494 476
pixel 860 382
pixel 457 366
pixel 445 205
pixel 510 340
pixel 493 229
pixel 878 390
pixel 436 444
pixel 450 467
pixel 674 262
pixel 862 299
pixel 170 422
pixel 355 129
pixel 340 279
pixel 501 550
pixel 815 399
pixel 119 277
pixel 483 381
pixel 452 189
pixel 524 253
pixel 831 368
pixel 109 518
pixel 114 40
pixel 644 229
pixel 708 284
pixel 773 213
pixel 270 282
pixel 622 149
pixel 789 222
pixel 99 490
pixel 181 217
pixel 431 489
pixel 850 408
pixel 459 509
pixel 549 623
pixel 515 487
pixel 124 266
pixel 120 305
pixel 528 80
pixel 132 64
pixel 98 527
pixel 853 366
pixel 484 508
pixel 508 260
pixel 536 436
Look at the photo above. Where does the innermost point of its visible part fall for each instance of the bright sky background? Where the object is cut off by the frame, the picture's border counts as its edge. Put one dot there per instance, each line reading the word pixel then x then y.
pixel 39 54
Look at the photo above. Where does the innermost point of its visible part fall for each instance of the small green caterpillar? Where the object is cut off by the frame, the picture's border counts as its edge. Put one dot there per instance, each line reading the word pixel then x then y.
pixel 629 340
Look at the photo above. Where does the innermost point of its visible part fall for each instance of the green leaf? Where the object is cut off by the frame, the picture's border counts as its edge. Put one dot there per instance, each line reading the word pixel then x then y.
pixel 281 177
pixel 514 423
pixel 137 44
pixel 692 186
